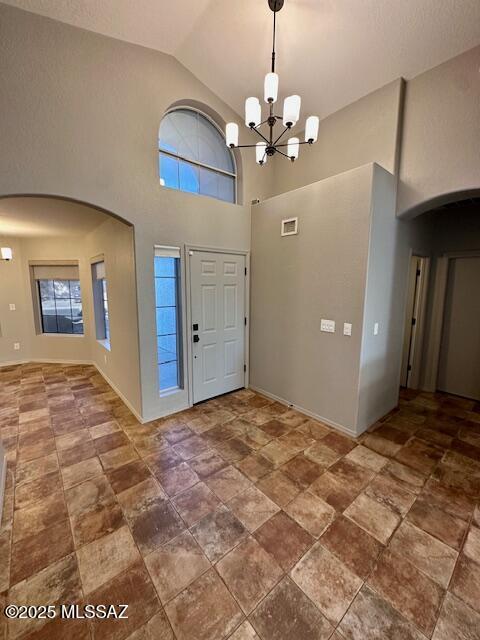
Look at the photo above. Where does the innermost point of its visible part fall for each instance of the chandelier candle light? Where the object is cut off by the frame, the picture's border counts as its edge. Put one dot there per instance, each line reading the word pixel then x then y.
pixel 270 144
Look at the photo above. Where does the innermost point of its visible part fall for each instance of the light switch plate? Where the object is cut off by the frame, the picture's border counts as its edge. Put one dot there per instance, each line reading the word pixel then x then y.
pixel 16 346
pixel 11 306
pixel 347 329
pixel 327 325
pixel 375 329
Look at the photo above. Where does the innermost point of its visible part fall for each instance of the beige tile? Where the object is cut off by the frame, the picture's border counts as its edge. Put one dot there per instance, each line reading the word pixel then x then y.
pixel 456 620
pixel 252 508
pixel 279 488
pixel 367 458
pixel 249 573
pixel 205 610
pixel 327 582
pixel 81 471
pixel 372 617
pixel 408 590
pixel 175 565
pixel 218 532
pixel 227 483
pixel 429 555
pixel 102 560
pixel 466 581
pixel 374 517
pixel 286 613
pixel 311 513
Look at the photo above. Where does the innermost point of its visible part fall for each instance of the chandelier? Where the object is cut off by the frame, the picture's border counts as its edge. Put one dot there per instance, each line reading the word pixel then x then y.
pixel 271 143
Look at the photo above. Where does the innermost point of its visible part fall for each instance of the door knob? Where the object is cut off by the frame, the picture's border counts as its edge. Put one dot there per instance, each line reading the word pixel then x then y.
pixel 196 338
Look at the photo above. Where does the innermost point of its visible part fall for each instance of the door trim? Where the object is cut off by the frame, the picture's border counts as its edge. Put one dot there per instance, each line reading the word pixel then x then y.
pixel 413 344
pixel 432 359
pixel 188 299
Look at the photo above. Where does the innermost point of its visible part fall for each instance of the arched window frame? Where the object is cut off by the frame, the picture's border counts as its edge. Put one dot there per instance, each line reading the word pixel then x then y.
pixel 235 175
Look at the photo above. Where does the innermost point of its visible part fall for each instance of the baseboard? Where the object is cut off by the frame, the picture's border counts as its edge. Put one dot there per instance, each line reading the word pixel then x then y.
pixel 3 479
pixel 12 363
pixel 310 414
pixel 119 393
pixel 81 362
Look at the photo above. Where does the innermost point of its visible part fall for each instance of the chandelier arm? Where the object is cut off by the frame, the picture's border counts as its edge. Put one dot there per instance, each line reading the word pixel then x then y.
pixel 261 135
pixel 281 135
pixel 244 146
pixel 286 144
pixel 281 153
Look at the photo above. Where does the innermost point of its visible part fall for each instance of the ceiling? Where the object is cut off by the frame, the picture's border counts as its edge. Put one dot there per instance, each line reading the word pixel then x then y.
pixel 331 52
pixel 42 217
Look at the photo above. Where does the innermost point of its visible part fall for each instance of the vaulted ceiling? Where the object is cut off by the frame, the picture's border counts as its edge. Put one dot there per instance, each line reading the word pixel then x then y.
pixel 331 52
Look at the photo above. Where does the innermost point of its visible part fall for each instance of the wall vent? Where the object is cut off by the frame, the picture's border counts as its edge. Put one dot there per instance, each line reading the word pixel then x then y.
pixel 290 227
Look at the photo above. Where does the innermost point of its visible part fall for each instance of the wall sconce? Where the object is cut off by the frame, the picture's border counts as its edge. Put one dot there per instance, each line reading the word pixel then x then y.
pixel 6 253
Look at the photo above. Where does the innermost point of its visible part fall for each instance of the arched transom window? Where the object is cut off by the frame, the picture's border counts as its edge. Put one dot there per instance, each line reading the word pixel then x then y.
pixel 193 156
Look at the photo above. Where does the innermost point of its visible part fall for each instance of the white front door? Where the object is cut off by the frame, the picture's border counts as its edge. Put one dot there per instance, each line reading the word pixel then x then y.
pixel 217 282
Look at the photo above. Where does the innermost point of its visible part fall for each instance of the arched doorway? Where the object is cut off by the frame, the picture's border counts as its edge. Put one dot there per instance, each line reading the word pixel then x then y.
pixel 70 288
pixel 442 321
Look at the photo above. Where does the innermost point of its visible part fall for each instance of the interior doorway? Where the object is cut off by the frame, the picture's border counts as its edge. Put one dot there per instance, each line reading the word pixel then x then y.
pixel 218 322
pixel 459 361
pixel 415 321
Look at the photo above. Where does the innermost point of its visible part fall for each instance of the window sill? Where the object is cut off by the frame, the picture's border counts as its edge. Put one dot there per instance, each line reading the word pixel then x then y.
pixel 170 392
pixel 105 344
pixel 62 335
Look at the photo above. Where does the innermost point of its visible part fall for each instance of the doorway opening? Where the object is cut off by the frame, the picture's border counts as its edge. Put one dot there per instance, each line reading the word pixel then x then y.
pixel 441 349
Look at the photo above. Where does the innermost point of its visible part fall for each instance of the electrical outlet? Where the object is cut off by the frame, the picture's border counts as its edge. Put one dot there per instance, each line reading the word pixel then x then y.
pixel 376 329
pixel 347 329
pixel 327 325
pixel 11 306
pixel 16 346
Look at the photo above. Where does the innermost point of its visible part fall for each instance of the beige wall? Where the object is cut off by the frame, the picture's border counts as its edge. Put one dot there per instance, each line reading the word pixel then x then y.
pixel 14 325
pixel 297 280
pixel 121 363
pixel 441 134
pixel 363 132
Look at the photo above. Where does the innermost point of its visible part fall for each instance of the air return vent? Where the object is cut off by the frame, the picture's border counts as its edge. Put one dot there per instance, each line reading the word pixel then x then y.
pixel 290 227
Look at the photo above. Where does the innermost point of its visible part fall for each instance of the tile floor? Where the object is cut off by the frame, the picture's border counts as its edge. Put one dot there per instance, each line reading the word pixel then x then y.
pixel 239 518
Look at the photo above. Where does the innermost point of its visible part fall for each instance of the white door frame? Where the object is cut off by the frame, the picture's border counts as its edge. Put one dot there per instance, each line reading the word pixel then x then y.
pixel 432 359
pixel 188 303
pixel 416 307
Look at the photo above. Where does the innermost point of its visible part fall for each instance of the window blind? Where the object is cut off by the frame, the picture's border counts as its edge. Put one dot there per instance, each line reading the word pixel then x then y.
pixel 98 270
pixel 167 252
pixel 55 272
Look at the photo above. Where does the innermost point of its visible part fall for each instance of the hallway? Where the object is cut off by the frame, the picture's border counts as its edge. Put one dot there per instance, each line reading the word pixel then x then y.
pixel 237 515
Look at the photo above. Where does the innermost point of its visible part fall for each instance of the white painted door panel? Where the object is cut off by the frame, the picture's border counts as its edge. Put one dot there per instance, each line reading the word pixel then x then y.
pixel 218 308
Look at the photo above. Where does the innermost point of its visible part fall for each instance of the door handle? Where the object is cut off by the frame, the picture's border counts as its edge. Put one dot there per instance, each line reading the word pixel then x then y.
pixel 196 338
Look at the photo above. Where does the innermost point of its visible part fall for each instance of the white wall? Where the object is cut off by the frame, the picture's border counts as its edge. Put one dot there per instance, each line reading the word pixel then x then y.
pixel 385 292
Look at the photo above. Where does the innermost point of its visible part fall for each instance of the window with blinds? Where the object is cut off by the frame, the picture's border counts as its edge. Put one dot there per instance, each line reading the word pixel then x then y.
pixel 193 156
pixel 100 302
pixel 60 298
pixel 168 321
